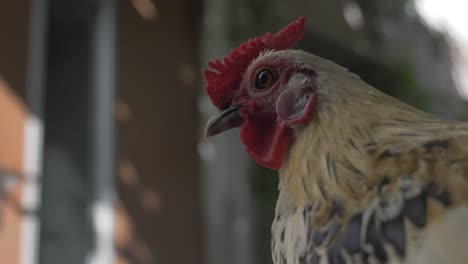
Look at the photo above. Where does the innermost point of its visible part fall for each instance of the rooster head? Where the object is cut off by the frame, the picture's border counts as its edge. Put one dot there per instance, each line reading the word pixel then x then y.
pixel 261 87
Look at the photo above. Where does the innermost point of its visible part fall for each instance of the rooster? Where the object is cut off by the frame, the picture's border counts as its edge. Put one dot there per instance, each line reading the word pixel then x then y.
pixel 363 177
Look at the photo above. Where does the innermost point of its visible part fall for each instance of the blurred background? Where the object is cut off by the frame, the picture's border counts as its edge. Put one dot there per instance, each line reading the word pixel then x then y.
pixel 101 152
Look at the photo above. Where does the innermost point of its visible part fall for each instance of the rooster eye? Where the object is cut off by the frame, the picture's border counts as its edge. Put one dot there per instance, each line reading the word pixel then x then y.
pixel 264 79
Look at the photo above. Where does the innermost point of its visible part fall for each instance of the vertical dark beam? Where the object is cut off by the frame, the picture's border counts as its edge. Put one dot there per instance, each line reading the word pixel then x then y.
pixel 35 81
pixel 33 145
pixel 77 209
pixel 66 233
pixel 103 97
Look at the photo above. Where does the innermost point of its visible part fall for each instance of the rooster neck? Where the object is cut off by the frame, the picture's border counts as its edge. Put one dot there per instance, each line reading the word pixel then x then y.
pixel 330 146
pixel 367 163
pixel 331 157
pixel 325 165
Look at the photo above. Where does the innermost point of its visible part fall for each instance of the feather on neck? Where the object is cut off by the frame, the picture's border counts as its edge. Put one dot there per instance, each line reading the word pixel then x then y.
pixel 331 157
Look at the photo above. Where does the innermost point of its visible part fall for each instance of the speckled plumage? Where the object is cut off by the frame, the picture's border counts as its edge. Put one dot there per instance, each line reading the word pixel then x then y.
pixel 370 179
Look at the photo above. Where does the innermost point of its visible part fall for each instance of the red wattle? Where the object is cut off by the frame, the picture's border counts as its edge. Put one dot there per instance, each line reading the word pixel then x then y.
pixel 266 142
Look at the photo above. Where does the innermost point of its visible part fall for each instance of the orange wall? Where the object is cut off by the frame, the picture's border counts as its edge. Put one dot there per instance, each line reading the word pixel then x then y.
pixel 12 118
pixel 14 17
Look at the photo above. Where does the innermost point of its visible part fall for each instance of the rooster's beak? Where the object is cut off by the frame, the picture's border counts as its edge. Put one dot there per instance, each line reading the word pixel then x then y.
pixel 223 120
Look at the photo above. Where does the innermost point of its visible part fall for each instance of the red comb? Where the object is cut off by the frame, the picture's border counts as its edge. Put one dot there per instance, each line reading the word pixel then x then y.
pixel 223 78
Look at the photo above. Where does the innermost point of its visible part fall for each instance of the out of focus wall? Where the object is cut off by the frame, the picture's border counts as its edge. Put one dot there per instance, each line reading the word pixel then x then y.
pixel 14 18
pixel 14 30
pixel 158 210
pixel 12 117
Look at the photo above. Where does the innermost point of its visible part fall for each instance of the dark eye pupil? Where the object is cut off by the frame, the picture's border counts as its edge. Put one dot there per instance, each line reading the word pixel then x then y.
pixel 264 79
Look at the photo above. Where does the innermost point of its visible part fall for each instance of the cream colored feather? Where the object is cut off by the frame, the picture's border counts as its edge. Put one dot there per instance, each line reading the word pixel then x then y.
pixel 364 156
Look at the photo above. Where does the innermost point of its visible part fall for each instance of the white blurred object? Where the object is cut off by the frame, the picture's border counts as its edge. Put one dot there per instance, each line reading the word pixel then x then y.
pixel 450 17
pixel 33 135
pixel 353 15
pixel 446 15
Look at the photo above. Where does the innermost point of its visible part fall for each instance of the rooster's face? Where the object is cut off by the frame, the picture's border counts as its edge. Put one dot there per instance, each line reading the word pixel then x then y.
pixel 276 94
pixel 266 90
